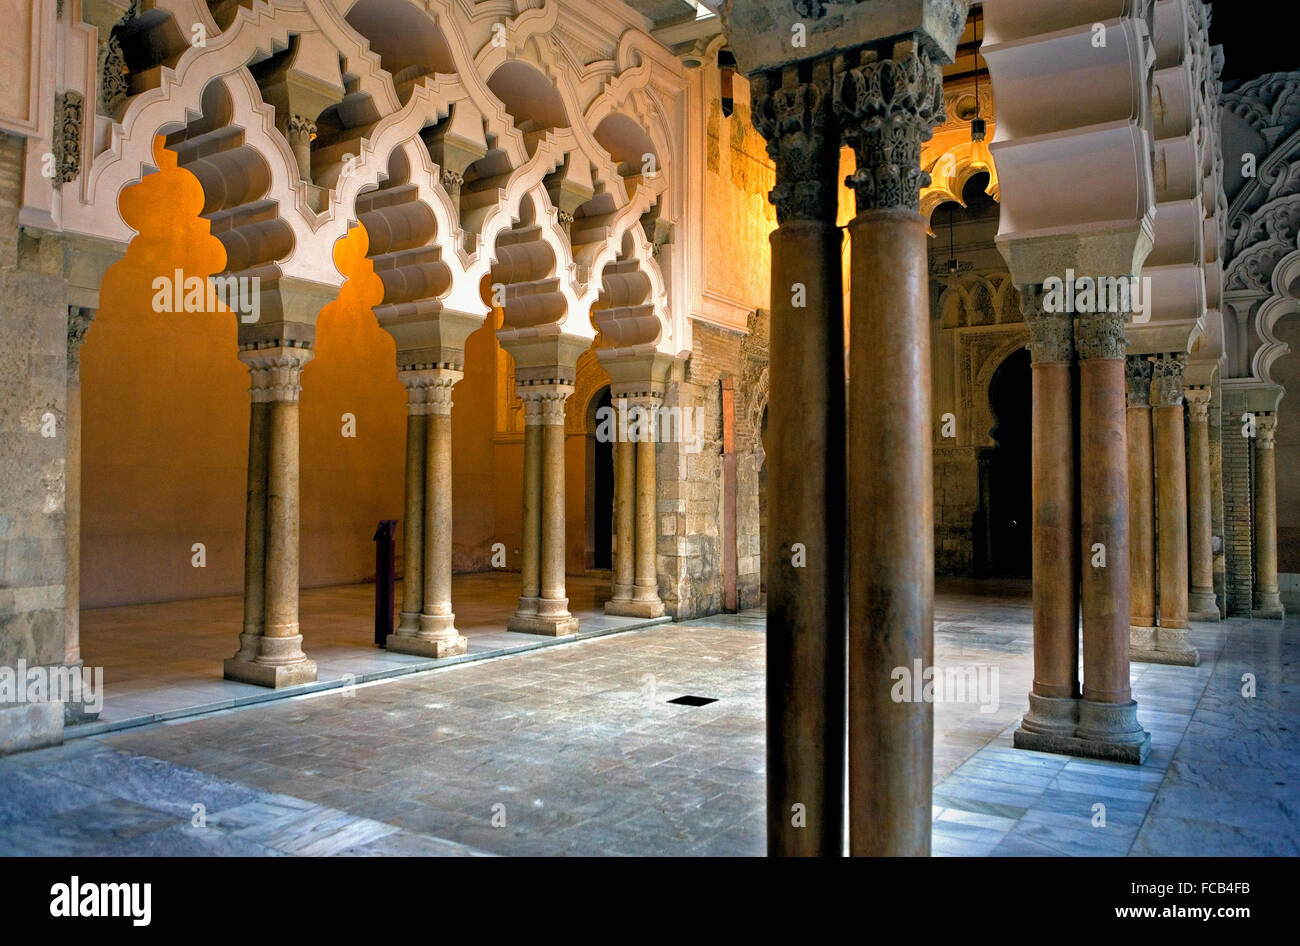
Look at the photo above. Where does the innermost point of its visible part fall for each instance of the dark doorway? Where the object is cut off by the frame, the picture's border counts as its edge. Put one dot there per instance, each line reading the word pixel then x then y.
pixel 1010 484
pixel 600 511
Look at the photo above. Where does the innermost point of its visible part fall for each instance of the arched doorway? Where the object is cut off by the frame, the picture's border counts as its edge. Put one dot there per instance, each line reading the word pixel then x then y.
pixel 1010 484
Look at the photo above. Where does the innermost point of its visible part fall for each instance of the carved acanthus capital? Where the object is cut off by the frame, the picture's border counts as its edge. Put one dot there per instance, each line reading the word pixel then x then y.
pixel 797 121
pixel 543 403
pixel 79 319
pixel 1198 405
pixel 1167 381
pixel 887 108
pixel 1137 377
pixel 276 372
pixel 452 180
pixel 1051 334
pixel 301 125
pixel 1100 335
pixel 428 390
pixel 1265 431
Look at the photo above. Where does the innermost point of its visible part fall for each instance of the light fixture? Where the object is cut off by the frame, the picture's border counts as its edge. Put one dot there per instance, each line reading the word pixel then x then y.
pixel 978 127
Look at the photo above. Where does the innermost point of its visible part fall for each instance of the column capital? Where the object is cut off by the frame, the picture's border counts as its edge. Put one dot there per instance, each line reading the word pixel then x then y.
pixel 428 389
pixel 79 319
pixel 1198 404
pixel 887 107
pixel 1100 335
pixel 1265 431
pixel 1051 334
pixel 543 403
pixel 1167 380
pixel 276 371
pixel 301 125
pixel 1138 370
pixel 796 119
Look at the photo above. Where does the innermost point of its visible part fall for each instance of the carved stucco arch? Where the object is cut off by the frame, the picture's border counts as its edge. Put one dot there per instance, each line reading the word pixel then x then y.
pixel 1000 346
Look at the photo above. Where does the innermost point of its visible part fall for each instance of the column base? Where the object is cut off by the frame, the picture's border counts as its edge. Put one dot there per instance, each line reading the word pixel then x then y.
pixel 1268 605
pixel 270 675
pixel 633 608
pixel 1202 606
pixel 1162 645
pixel 1108 731
pixel 1049 716
pixel 550 625
pixel 435 647
pixel 408 622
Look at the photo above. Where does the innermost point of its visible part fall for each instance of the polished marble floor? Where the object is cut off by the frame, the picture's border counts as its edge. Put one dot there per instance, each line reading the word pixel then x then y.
pixel 163 661
pixel 576 749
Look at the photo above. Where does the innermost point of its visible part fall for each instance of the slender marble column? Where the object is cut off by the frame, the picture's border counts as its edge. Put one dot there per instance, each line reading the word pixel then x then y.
pixel 279 660
pixel 805 448
pixel 1108 725
pixel 259 437
pixel 552 615
pixel 1201 602
pixel 1172 645
pixel 1053 701
pixel 413 525
pixel 436 635
pixel 1141 508
pixel 646 592
pixel 625 518
pixel 79 320
pixel 531 527
pixel 888 107
pixel 1268 603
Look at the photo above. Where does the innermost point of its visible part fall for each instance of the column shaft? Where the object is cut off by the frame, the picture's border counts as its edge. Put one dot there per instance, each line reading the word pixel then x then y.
pixel 531 526
pixel 891 529
pixel 1202 604
pixel 1268 603
pixel 1053 709
pixel 259 437
pixel 413 524
pixel 625 518
pixel 1108 726
pixel 1141 507
pixel 806 473
pixel 1171 500
pixel 552 513
pixel 282 517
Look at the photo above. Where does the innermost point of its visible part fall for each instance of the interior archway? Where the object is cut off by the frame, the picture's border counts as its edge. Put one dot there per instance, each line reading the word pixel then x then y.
pixel 1010 484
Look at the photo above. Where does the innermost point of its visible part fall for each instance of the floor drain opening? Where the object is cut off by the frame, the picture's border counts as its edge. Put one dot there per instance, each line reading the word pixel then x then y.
pixel 694 700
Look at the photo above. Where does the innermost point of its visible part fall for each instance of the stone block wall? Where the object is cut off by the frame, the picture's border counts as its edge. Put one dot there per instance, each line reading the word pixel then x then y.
pixel 33 396
pixel 690 502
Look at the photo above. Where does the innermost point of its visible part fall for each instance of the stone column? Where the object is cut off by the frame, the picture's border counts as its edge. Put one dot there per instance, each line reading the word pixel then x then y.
pixel 887 107
pixel 545 402
pixel 436 635
pixel 1108 726
pixel 1201 602
pixel 625 519
pixel 646 592
pixel 79 320
pixel 417 407
pixel 279 660
pixel 1172 645
pixel 1053 701
pixel 1268 603
pixel 531 526
pixel 1141 508
pixel 301 132
pixel 805 470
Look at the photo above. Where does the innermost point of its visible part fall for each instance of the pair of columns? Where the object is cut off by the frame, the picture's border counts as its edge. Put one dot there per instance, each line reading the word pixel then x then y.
pixel 270 646
pixel 1159 511
pixel 849 543
pixel 636 582
pixel 427 625
pixel 1081 537
pixel 543 605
